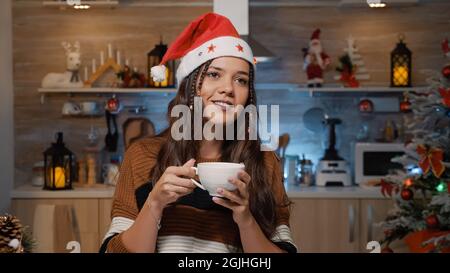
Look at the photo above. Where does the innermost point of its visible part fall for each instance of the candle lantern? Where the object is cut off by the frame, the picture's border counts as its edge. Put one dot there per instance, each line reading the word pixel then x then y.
pixel 58 166
pixel 154 58
pixel 401 65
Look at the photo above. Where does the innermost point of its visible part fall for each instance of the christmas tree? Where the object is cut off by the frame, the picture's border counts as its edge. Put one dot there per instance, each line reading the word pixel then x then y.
pixel 421 213
pixel 358 68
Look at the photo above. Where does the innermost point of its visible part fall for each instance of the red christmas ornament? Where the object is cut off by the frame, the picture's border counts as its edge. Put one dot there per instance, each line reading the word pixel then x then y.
pixel 366 106
pixel 113 105
pixel 405 106
pixel 446 71
pixel 445 94
pixel 387 250
pixel 407 194
pixel 432 221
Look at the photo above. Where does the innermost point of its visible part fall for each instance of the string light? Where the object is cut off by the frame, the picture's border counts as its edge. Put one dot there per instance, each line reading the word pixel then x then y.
pixel 81 6
pixel 441 187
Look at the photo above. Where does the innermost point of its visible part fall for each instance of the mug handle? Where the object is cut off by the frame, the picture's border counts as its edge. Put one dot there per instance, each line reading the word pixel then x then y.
pixel 195 182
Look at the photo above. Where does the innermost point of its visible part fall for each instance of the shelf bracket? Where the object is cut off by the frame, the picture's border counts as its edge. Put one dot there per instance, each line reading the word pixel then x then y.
pixel 42 98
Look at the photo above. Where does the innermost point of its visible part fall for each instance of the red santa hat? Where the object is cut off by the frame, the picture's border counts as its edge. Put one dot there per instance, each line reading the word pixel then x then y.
pixel 208 37
pixel 315 35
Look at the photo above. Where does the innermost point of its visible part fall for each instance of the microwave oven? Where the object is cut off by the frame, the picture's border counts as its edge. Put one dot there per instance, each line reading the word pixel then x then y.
pixel 373 160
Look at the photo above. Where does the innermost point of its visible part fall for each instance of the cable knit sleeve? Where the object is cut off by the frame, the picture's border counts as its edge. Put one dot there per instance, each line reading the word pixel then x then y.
pixel 135 169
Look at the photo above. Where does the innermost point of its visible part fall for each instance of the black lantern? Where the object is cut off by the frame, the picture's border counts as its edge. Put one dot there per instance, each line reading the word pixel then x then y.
pixel 401 65
pixel 58 166
pixel 154 58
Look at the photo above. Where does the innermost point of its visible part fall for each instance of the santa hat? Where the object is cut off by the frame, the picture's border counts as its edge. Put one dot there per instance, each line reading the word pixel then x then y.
pixel 207 37
pixel 315 35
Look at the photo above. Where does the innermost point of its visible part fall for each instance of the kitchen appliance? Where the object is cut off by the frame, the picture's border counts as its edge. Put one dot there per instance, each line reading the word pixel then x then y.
pixel 332 170
pixel 373 160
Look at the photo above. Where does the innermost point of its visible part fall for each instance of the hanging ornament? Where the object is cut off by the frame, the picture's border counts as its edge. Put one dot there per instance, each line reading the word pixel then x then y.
pixel 405 105
pixel 407 194
pixel 431 158
pixel 113 105
pixel 445 94
pixel 432 221
pixel 366 106
pixel 446 71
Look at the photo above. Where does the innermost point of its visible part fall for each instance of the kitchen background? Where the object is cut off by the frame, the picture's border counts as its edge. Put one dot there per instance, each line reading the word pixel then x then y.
pixel 134 28
pixel 322 219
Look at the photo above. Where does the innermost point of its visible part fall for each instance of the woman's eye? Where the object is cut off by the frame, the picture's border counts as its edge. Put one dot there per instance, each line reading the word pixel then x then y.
pixel 242 81
pixel 212 74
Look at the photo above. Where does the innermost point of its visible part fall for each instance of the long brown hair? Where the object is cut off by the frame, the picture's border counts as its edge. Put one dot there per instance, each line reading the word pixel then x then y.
pixel 176 153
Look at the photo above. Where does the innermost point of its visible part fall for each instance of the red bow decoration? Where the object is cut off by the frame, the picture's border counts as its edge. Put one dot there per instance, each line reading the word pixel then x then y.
pixel 349 79
pixel 445 96
pixel 431 158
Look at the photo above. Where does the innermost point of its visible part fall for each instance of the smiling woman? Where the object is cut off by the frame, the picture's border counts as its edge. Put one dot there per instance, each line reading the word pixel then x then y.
pixel 156 207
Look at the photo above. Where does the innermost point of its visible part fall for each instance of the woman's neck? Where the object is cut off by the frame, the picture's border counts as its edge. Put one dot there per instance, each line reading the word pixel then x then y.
pixel 210 149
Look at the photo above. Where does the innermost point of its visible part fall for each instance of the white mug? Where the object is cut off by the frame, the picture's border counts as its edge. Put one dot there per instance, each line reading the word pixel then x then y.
pixel 214 175
pixel 70 108
pixel 89 107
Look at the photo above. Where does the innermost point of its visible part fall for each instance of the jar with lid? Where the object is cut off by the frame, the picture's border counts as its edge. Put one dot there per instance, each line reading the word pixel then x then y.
pixel 38 174
pixel 306 171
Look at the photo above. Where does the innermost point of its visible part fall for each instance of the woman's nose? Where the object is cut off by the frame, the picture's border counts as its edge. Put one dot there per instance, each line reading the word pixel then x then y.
pixel 227 87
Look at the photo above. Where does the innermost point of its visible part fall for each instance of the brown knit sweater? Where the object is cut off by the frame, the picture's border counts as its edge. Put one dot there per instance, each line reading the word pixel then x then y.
pixel 184 222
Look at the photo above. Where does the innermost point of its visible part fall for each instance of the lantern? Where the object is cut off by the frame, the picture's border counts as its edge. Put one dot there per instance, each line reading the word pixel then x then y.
pixel 58 169
pixel 154 58
pixel 401 65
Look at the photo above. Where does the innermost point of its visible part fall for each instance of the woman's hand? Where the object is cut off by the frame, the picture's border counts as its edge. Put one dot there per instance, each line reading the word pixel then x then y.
pixel 237 199
pixel 172 185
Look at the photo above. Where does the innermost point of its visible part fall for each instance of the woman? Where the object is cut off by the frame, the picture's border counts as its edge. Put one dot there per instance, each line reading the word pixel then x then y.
pixel 157 208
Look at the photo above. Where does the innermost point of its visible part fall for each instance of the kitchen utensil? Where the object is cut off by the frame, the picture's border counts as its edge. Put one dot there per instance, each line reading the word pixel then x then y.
pixel 111 138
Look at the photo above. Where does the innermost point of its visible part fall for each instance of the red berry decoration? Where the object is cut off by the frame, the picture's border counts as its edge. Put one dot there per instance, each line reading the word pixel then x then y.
pixel 366 106
pixel 387 250
pixel 407 194
pixel 446 71
pixel 432 221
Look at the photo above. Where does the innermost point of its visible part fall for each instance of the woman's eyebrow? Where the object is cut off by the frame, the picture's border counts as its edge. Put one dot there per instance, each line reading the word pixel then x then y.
pixel 221 69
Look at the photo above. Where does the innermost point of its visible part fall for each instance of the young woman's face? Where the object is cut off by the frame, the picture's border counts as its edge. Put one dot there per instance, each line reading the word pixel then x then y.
pixel 225 86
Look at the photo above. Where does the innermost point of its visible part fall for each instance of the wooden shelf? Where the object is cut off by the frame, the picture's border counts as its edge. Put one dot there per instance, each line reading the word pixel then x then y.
pixel 277 87
pixel 338 91
pixel 107 90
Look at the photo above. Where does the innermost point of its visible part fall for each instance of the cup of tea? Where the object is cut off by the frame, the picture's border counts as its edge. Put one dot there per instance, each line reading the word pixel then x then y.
pixel 214 175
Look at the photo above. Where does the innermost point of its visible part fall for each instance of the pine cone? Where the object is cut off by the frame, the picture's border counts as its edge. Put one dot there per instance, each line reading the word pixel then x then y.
pixel 10 228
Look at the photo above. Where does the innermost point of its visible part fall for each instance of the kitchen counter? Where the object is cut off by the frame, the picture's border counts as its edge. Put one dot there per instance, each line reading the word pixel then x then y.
pixel 105 191
pixel 31 192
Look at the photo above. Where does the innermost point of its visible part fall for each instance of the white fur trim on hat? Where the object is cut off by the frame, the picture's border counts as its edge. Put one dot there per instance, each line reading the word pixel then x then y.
pixel 218 47
pixel 158 73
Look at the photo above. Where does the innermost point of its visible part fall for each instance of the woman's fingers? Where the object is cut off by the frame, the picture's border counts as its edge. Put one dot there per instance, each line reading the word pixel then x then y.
pixel 244 176
pixel 177 189
pixel 178 181
pixel 185 170
pixel 232 196
pixel 241 186
pixel 223 202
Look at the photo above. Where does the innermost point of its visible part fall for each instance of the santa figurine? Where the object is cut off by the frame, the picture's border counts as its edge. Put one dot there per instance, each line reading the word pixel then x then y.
pixel 316 61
